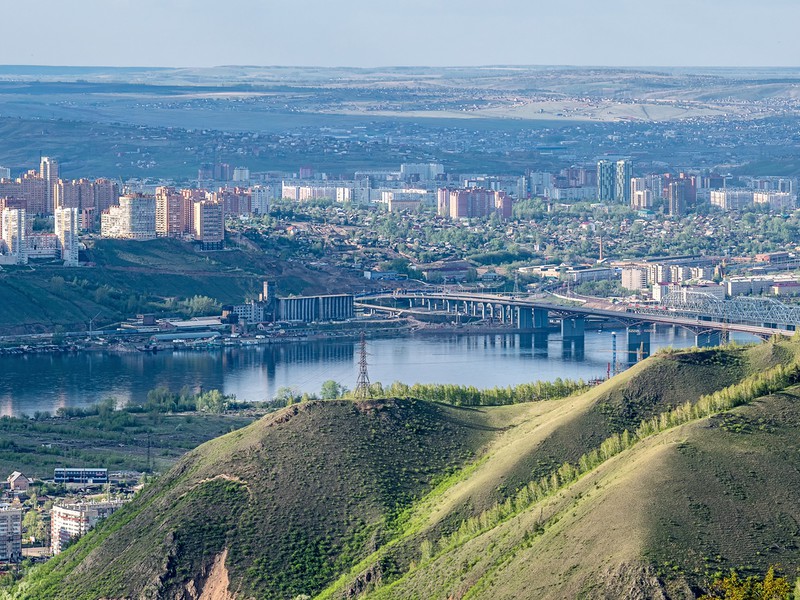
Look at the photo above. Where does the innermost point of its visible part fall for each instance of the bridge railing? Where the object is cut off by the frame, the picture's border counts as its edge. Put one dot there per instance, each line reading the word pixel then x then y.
pixel 741 309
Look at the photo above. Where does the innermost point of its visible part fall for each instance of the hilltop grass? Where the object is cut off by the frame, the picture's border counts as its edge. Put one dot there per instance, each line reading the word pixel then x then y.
pixel 318 496
pixel 548 499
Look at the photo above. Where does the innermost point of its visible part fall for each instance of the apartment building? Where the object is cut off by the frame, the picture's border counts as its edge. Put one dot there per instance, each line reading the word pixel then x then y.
pixel 71 521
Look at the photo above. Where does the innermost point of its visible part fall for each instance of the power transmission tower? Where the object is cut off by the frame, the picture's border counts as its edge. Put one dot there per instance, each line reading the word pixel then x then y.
pixel 362 391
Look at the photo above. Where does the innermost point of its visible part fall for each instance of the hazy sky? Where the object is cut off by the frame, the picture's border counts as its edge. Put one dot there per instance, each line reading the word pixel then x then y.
pixel 401 32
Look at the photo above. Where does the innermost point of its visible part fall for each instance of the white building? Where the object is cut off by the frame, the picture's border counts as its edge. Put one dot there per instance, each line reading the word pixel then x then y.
pixel 777 201
pixel 13 233
pixel 67 234
pixel 48 170
pixel 71 521
pixel 241 174
pixel 634 278
pixel 10 533
pixel 421 171
pixel 731 199
pixel 5 173
pixel 259 199
pixel 134 218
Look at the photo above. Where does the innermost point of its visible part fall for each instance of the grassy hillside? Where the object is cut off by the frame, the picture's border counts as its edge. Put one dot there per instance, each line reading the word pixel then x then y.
pixel 130 277
pixel 411 499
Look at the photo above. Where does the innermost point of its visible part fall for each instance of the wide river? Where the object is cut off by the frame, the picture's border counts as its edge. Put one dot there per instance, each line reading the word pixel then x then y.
pixel 31 383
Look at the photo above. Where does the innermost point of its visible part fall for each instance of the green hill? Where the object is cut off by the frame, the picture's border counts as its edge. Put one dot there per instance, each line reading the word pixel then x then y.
pixel 403 498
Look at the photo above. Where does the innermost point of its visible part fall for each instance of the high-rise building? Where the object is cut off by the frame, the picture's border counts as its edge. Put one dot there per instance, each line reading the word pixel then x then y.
pixel 10 533
pixel 259 199
pixel 67 226
pixel 622 190
pixel 209 224
pixel 169 212
pixel 14 234
pixel 678 194
pixel 106 193
pixel 241 174
pixel 5 173
pixel 33 190
pixel 641 197
pixel 473 203
pixel 134 218
pixel 606 180
pixel 48 170
pixel 689 187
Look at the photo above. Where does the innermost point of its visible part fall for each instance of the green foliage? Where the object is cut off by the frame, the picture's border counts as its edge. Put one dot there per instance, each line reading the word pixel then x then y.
pixel 213 401
pixel 331 390
pixel 733 587
pixel 460 395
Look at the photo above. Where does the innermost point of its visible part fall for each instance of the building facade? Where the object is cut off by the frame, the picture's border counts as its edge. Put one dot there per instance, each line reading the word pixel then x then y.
pixel 66 221
pixel 133 219
pixel 473 203
pixel 209 224
pixel 69 522
pixel 13 231
pixel 10 533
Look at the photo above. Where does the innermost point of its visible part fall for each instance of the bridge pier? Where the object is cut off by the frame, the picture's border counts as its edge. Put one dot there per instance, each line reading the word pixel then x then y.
pixel 540 343
pixel 573 327
pixel 708 339
pixel 541 319
pixel 524 318
pixel 638 343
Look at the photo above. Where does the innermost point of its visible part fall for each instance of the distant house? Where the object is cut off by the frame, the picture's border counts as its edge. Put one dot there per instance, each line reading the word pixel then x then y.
pixel 17 482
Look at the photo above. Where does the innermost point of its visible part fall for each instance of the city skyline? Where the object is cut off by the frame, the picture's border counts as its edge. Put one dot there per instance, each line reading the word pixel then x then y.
pixel 368 34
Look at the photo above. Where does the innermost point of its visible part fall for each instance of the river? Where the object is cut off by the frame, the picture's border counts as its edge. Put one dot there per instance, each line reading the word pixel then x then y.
pixel 31 383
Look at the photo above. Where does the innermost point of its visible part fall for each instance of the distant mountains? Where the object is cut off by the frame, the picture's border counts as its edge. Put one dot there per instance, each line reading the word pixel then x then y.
pixel 403 498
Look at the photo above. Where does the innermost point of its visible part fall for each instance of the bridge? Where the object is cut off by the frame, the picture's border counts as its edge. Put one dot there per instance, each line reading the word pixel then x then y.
pixel 710 319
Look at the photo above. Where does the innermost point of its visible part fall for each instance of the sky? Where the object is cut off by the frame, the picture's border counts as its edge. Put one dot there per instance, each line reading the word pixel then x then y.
pixel 371 33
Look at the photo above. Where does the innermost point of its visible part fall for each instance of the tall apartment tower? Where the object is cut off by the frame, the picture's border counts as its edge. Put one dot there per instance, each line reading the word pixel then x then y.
pixel 606 180
pixel 170 221
pixel 623 175
pixel 10 533
pixel 641 196
pixel 209 224
pixel 14 234
pixel 678 193
pixel 48 170
pixel 67 233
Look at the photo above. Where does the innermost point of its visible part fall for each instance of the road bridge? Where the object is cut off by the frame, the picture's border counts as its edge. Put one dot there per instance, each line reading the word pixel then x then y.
pixel 533 315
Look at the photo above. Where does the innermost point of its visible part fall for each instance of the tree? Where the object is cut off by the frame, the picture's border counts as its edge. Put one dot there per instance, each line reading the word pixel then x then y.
pixel 331 390
pixel 33 524
pixel 286 396
pixel 213 401
pixel 733 587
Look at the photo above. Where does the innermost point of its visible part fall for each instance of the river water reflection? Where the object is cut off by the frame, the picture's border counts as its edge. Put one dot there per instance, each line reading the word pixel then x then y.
pixel 47 382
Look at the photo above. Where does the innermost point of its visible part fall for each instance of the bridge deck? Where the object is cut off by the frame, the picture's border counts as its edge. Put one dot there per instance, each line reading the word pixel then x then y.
pixel 624 314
